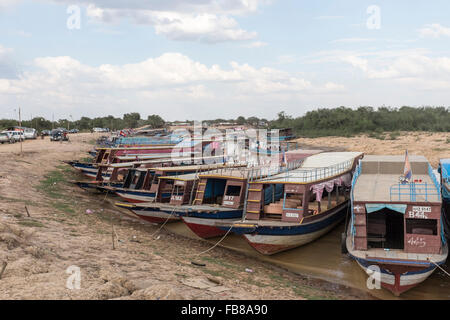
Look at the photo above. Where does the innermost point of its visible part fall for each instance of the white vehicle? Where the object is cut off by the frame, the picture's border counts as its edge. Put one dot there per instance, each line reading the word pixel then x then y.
pixel 30 133
pixel 16 135
pixel 6 137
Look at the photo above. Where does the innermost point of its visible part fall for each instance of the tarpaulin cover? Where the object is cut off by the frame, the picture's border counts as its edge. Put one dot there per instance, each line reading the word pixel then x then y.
pixel 401 208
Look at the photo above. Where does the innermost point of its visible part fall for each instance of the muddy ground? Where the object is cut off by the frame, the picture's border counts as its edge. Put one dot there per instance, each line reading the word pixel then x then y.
pixel 45 229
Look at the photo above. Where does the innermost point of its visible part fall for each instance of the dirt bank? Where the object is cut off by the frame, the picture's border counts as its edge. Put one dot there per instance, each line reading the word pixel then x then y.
pixel 433 146
pixel 59 233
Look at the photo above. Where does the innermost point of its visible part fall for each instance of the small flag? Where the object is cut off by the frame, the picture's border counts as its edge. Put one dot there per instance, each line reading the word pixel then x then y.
pixel 407 172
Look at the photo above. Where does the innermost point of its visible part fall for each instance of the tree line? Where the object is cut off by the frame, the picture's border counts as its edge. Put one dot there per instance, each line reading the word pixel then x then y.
pixel 129 120
pixel 365 120
pixel 340 121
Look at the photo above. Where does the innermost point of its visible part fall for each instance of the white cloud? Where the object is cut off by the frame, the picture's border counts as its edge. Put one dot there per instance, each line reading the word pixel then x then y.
pixel 434 30
pixel 204 21
pixel 416 69
pixel 172 81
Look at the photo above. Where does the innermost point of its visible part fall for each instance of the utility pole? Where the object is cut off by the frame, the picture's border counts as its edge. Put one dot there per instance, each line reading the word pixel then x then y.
pixel 21 140
pixel 53 121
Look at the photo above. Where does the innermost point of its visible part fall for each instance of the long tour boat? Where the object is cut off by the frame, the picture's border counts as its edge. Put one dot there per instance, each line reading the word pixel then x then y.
pixel 395 227
pixel 314 200
pixel 141 185
pixel 170 193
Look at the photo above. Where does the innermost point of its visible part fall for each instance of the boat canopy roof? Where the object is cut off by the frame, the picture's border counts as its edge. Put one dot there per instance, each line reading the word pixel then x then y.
pixel 379 180
pixel 317 168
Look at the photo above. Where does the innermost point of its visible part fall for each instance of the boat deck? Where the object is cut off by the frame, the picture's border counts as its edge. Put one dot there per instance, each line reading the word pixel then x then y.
pixel 379 180
pixel 377 187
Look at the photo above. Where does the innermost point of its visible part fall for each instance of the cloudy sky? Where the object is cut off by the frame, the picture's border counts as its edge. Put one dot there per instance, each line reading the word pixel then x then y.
pixel 203 59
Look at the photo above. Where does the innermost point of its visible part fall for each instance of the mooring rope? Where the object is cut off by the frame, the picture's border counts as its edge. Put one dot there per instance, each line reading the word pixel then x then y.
pixel 442 269
pixel 167 220
pixel 198 254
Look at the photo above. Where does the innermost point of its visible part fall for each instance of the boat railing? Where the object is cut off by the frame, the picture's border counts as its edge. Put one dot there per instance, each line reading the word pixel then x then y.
pixel 414 192
pixel 434 179
pixel 317 174
pixel 254 173
pixel 356 175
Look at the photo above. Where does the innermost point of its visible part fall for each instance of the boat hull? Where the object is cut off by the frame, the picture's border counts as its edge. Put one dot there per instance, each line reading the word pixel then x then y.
pixel 155 215
pixel 204 228
pixel 396 278
pixel 135 196
pixel 272 244
pixel 204 224
pixel 269 240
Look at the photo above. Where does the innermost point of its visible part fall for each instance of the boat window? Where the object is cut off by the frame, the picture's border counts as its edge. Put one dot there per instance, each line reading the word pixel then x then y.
pixel 233 191
pixel 293 201
pixel 214 191
pixel 421 226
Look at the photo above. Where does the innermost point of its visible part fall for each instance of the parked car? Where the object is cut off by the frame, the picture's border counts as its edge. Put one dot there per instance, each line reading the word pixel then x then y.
pixel 45 132
pixel 16 135
pixel 30 133
pixel 58 135
pixel 6 137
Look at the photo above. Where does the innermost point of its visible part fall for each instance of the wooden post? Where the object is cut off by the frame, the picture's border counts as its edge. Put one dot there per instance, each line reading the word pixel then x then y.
pixel 3 268
pixel 28 213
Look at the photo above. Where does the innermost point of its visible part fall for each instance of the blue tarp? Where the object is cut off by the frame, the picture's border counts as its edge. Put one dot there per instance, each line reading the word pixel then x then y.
pixel 401 208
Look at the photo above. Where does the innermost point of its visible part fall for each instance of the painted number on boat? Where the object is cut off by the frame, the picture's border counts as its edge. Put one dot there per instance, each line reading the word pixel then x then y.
pixel 417 242
pixel 177 198
pixel 291 215
pixel 419 212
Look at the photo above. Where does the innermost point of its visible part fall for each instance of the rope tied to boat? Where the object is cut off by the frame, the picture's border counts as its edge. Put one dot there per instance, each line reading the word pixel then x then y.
pixel 442 269
pixel 162 226
pixel 217 243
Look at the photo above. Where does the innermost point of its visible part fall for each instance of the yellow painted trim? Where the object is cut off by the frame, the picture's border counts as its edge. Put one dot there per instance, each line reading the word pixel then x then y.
pixel 244 225
pixel 253 212
pixel 254 200
pixel 256 190
pixel 121 204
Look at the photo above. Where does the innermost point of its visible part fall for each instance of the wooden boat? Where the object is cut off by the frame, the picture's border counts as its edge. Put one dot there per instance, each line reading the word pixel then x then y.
pixel 181 190
pixel 161 211
pixel 395 222
pixel 141 185
pixel 107 156
pixel 302 214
